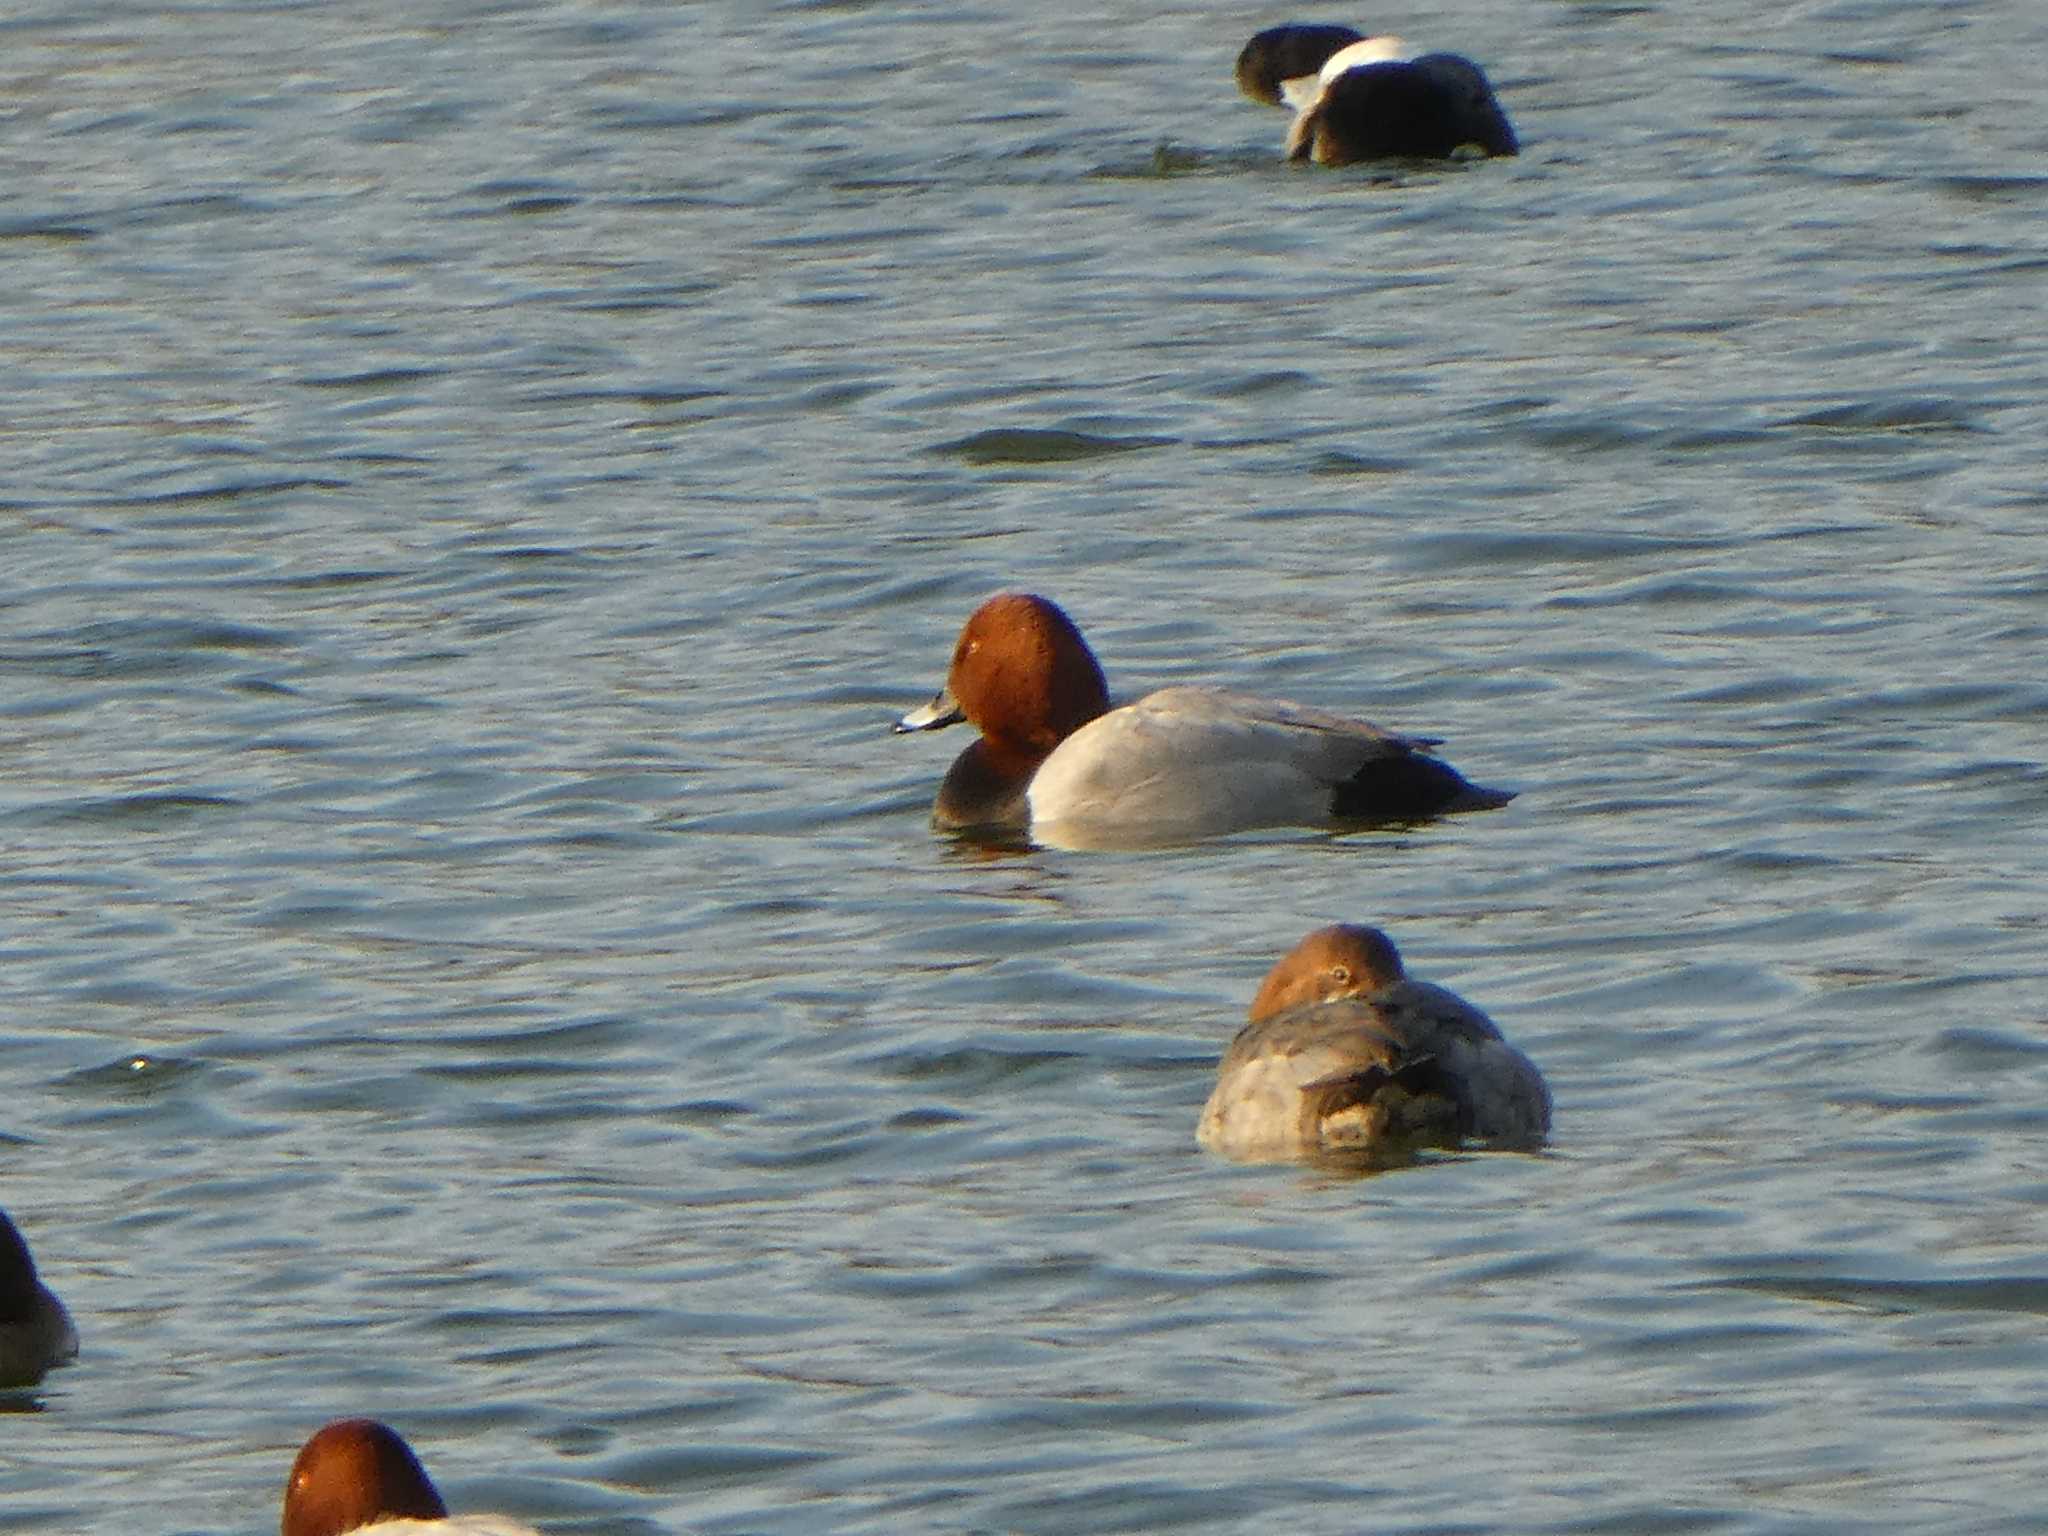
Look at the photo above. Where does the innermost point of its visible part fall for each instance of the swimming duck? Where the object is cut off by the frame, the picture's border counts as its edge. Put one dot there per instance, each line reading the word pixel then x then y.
pixel 35 1330
pixel 1358 97
pixel 1346 1054
pixel 1182 763
pixel 358 1474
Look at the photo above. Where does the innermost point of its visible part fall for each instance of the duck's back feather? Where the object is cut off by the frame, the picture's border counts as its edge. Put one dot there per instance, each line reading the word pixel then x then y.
pixel 1205 761
pixel 1413 1065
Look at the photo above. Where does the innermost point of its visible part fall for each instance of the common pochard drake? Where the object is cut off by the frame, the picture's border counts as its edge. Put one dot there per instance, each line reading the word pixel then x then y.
pixel 1360 98
pixel 1348 1055
pixel 1179 764
pixel 360 1475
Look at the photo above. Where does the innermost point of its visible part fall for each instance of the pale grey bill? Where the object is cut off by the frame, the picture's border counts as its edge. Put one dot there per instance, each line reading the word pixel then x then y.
pixel 944 709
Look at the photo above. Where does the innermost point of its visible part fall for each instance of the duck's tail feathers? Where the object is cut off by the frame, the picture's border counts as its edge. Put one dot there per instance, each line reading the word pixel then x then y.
pixel 1411 785
pixel 1379 1106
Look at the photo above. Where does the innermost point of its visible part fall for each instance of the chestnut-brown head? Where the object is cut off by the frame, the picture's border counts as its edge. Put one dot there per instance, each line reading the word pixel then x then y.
pixel 353 1473
pixel 1343 960
pixel 1022 675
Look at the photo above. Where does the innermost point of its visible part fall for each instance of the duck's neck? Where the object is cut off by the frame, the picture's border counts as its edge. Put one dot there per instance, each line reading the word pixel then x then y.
pixel 987 786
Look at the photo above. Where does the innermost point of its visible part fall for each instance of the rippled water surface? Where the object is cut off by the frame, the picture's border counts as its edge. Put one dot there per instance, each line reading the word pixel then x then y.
pixel 480 478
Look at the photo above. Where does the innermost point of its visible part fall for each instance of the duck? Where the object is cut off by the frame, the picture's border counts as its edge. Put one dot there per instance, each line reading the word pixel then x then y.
pixel 1056 762
pixel 360 1475
pixel 1348 1056
pixel 36 1332
pixel 1361 98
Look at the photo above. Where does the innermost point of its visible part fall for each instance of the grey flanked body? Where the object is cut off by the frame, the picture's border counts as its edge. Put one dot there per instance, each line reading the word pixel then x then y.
pixel 1346 1054
pixel 1191 760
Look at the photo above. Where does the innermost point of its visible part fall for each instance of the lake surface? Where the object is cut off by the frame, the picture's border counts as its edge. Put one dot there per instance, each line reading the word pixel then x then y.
pixel 479 481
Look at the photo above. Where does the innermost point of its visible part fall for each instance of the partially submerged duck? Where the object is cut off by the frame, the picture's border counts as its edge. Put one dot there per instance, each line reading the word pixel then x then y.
pixel 1055 760
pixel 1359 98
pixel 1347 1055
pixel 35 1330
pixel 360 1475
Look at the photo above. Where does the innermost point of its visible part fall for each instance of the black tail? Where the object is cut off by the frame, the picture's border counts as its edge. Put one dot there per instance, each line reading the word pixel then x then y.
pixel 1411 786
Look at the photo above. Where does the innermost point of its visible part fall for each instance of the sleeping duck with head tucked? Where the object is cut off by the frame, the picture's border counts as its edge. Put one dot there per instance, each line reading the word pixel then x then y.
pixel 1347 1056
pixel 1362 98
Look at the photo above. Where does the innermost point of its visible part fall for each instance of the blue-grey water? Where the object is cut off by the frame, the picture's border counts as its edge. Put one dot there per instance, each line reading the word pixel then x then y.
pixel 478 480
